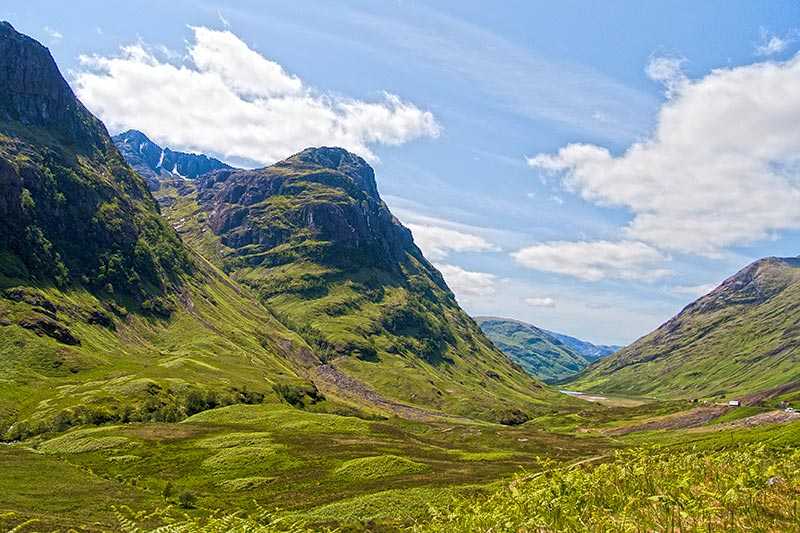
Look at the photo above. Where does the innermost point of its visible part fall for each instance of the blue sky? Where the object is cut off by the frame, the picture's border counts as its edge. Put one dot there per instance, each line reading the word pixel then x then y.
pixel 504 139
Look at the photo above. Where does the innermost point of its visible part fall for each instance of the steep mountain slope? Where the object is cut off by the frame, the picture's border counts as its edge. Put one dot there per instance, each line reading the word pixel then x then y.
pixel 105 315
pixel 549 356
pixel 153 162
pixel 742 337
pixel 70 208
pixel 313 238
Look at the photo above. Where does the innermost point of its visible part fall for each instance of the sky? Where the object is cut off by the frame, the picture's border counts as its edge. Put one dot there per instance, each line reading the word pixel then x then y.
pixel 590 168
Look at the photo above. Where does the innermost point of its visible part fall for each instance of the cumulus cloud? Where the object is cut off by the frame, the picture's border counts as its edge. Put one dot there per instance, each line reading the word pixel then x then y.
pixel 721 168
pixel 437 242
pixel 773 44
pixel 466 283
pixel 540 302
pixel 226 98
pixel 595 260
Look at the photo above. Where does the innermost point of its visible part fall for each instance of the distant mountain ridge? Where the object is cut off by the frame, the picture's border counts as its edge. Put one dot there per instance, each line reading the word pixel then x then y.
pixel 743 337
pixel 549 356
pixel 592 352
pixel 153 162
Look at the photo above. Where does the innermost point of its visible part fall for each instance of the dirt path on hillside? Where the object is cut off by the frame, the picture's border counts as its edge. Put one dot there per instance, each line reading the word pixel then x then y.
pixel 328 376
pixel 696 417
pixel 761 419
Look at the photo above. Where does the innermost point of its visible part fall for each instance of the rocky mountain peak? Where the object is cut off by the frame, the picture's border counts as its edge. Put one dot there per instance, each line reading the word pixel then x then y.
pixel 71 210
pixel 33 92
pixel 754 284
pixel 153 162
pixel 321 196
pixel 342 161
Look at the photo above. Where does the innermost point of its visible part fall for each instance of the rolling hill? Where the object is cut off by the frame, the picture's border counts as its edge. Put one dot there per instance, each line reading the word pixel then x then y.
pixel 739 339
pixel 549 356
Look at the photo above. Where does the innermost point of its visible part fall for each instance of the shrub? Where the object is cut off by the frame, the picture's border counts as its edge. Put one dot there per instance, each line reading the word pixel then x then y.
pixel 187 500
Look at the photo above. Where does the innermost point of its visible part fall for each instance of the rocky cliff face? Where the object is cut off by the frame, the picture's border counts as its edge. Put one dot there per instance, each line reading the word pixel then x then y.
pixel 33 93
pixel 155 163
pixel 71 209
pixel 323 201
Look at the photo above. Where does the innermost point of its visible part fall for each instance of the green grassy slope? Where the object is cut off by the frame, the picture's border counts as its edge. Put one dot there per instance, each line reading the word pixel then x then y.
pixel 312 238
pixel 320 468
pixel 105 315
pixel 535 350
pixel 739 339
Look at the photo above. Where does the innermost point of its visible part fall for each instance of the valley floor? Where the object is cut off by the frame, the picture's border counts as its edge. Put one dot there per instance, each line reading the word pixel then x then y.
pixel 272 467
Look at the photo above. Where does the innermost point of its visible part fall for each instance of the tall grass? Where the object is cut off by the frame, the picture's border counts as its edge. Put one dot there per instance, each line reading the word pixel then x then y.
pixel 753 488
pixel 748 489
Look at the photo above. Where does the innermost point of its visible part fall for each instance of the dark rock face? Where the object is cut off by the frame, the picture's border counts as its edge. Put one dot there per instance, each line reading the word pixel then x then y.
pixel 321 195
pixel 71 209
pixel 47 326
pixel 33 92
pixel 154 163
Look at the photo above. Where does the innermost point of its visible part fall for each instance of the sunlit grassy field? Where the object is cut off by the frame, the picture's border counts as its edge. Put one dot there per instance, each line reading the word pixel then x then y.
pixel 272 467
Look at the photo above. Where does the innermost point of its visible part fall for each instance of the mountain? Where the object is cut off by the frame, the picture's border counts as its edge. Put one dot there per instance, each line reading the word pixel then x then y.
pixel 71 209
pixel 105 315
pixel 108 316
pixel 154 163
pixel 590 352
pixel 311 236
pixel 741 338
pixel 549 356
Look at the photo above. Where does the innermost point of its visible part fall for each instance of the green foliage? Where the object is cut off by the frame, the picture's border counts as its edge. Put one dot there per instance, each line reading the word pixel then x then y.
pixel 739 340
pixel 748 489
pixel 365 468
pixel 187 500
pixel 83 216
pixel 298 395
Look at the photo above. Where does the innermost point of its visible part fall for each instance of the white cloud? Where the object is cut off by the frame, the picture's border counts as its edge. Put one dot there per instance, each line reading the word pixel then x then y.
pixel 669 71
pixel 53 34
pixel 515 78
pixel 694 290
pixel 467 284
pixel 771 44
pixel 595 260
pixel 226 98
pixel 722 167
pixel 437 242
pixel 540 302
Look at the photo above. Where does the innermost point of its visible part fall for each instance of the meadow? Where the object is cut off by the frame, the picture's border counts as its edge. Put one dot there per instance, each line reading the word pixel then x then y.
pixel 274 467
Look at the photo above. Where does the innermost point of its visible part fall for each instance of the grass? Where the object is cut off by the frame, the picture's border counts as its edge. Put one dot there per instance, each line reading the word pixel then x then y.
pixel 394 329
pixel 739 342
pixel 366 468
pixel 317 467
pixel 83 440
pixel 282 468
pixel 753 488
